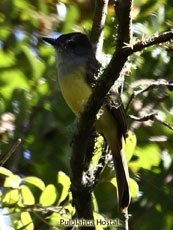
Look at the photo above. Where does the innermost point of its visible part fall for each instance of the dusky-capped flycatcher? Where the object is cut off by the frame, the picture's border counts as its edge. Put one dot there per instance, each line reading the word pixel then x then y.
pixel 77 72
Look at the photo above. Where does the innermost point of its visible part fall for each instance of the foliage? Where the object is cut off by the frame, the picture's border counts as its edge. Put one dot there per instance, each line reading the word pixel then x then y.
pixel 34 181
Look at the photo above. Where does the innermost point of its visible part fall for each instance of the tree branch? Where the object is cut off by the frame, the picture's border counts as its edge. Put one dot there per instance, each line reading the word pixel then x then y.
pixel 81 191
pixel 164 37
pixel 162 83
pixel 12 150
pixel 35 209
pixel 97 32
pixel 153 117
pixel 123 10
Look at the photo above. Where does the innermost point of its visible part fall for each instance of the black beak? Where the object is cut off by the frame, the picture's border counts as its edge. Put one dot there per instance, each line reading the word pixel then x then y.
pixel 49 40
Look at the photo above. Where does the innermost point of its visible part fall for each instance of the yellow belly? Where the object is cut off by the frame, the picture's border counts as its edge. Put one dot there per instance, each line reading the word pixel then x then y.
pixel 76 92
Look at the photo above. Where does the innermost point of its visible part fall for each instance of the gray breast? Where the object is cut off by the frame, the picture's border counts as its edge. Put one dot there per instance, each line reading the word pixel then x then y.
pixel 68 63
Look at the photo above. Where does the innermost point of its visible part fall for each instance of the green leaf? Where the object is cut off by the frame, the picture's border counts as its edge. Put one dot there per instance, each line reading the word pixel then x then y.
pixel 70 208
pixel 27 196
pixel 57 220
pixel 12 181
pixel 43 6
pixel 12 79
pixel 130 145
pixel 72 16
pixel 5 171
pixel 134 188
pixel 98 220
pixel 64 180
pixel 114 182
pixel 31 65
pixel 11 197
pixel 7 58
pixel 35 181
pixel 2 106
pixel 48 196
pixel 27 221
pixel 95 205
pixel 148 156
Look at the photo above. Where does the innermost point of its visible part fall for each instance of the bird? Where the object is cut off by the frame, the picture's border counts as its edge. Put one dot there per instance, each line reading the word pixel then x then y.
pixel 78 71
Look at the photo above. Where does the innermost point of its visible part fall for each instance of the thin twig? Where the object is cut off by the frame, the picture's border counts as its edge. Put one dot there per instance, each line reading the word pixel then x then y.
pixel 12 150
pixel 97 32
pixel 156 118
pixel 164 37
pixel 126 216
pixel 157 84
pixel 143 118
pixel 153 117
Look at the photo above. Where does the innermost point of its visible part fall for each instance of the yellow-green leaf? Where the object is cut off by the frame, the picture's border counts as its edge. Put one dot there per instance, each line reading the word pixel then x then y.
pixel 64 180
pixel 12 181
pixel 148 156
pixel 27 196
pixel 27 221
pixel 98 220
pixel 35 181
pixel 58 220
pixel 5 171
pixel 114 182
pixel 48 196
pixel 134 188
pixel 95 205
pixel 11 197
pixel 130 145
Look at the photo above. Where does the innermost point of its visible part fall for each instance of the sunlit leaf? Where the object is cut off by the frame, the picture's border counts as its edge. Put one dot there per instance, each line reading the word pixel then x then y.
pixel 12 79
pixel 64 180
pixel 12 181
pixel 35 181
pixel 5 171
pixel 27 221
pixel 148 156
pixel 59 220
pixel 70 208
pixel 99 221
pixel 95 205
pixel 71 17
pixel 7 59
pixel 27 196
pixel 17 224
pixel 48 196
pixel 134 188
pixel 31 64
pixel 130 145
pixel 11 197
pixel 114 182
